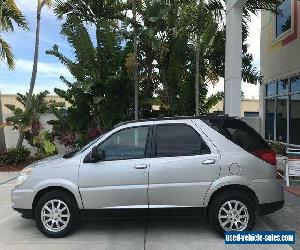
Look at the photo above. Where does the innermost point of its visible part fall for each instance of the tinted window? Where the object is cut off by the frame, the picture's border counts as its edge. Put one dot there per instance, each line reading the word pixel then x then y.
pixel 179 140
pixel 295 119
pixel 126 144
pixel 239 133
pixel 283 18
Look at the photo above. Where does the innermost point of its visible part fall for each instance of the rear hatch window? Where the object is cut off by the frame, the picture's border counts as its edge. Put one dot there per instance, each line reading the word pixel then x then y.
pixel 244 136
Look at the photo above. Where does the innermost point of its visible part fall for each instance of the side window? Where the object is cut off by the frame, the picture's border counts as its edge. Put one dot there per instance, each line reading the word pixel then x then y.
pixel 179 140
pixel 239 133
pixel 129 143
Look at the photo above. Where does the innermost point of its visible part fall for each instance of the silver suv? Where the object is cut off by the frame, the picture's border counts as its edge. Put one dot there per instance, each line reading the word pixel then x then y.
pixel 216 164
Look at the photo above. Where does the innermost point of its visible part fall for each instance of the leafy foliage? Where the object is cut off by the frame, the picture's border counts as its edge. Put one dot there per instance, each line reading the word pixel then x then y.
pixel 102 92
pixel 10 16
pixel 44 144
pixel 14 156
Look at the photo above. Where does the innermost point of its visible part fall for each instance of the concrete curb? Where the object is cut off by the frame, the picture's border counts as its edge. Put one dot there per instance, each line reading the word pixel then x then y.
pixel 11 179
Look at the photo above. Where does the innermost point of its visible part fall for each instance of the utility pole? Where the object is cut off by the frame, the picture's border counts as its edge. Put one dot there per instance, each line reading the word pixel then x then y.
pixel 135 72
pixel 2 135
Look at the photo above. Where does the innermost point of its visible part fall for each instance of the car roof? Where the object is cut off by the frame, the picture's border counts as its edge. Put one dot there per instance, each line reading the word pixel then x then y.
pixel 201 117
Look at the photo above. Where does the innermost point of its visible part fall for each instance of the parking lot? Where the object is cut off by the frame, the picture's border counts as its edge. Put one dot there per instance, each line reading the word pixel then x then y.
pixel 126 233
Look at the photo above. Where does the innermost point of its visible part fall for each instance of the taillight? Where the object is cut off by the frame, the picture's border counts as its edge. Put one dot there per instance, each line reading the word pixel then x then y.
pixel 266 155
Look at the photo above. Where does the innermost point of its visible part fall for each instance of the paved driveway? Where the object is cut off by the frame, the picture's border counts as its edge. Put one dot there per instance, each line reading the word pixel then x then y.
pixel 130 233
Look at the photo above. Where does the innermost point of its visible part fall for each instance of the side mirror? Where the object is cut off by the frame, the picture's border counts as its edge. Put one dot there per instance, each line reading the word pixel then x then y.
pixel 95 155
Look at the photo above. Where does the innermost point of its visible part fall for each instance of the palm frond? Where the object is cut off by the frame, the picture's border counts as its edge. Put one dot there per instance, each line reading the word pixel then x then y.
pixel 11 15
pixel 6 54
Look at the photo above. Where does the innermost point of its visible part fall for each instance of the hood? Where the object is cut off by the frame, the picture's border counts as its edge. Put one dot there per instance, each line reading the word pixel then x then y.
pixel 53 160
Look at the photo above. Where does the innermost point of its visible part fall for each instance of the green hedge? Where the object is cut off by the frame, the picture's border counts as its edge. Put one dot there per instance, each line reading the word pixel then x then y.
pixel 14 156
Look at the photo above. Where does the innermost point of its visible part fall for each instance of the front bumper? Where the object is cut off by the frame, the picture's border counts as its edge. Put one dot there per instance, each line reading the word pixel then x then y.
pixel 26 213
pixel 22 198
pixel 268 208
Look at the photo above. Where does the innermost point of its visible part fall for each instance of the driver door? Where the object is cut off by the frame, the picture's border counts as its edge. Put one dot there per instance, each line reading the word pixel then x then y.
pixel 120 180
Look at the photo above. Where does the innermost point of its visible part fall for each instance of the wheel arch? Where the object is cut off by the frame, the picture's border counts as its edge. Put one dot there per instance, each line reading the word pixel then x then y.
pixel 236 187
pixel 45 190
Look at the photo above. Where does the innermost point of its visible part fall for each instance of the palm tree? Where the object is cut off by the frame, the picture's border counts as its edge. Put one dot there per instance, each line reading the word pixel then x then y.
pixel 135 77
pixel 40 5
pixel 9 14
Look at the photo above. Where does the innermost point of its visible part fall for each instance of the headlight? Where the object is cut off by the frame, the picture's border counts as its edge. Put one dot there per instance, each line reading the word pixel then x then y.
pixel 23 176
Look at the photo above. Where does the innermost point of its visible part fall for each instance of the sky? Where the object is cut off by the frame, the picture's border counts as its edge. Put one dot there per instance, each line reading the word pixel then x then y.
pixel 49 69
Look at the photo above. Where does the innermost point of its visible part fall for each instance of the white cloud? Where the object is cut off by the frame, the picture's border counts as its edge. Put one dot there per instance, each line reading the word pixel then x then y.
pixel 30 6
pixel 44 69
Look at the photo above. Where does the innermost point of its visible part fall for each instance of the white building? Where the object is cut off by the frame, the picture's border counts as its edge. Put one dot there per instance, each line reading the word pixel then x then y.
pixel 280 68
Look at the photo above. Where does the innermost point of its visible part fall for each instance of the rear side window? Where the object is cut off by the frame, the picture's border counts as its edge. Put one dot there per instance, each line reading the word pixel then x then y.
pixel 239 133
pixel 179 140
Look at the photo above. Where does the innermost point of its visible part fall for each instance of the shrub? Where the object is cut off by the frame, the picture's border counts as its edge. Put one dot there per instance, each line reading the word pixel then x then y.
pixel 14 156
pixel 278 147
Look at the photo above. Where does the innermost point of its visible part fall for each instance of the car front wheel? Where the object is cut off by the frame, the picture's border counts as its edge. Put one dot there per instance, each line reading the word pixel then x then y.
pixel 56 214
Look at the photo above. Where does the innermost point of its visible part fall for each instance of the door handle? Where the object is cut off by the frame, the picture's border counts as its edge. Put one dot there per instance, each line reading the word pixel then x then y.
pixel 142 166
pixel 209 162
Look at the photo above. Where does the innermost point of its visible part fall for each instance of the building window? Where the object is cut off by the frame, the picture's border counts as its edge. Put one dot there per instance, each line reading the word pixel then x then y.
pixel 295 84
pixel 270 116
pixel 282 113
pixel 295 119
pixel 284 17
pixel 283 87
pixel 271 89
pixel 281 119
pixel 251 114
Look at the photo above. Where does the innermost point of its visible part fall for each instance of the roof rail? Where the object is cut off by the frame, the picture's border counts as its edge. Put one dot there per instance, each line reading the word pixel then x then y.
pixel 162 118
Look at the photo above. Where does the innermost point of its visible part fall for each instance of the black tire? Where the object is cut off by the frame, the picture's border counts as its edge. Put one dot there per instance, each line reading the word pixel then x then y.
pixel 224 197
pixel 73 213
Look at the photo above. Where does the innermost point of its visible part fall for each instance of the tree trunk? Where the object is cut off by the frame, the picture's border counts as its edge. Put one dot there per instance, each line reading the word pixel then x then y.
pixel 197 75
pixel 34 69
pixel 197 72
pixel 135 76
pixel 2 135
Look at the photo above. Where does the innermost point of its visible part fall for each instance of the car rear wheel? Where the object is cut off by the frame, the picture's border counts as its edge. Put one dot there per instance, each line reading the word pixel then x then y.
pixel 232 211
pixel 56 214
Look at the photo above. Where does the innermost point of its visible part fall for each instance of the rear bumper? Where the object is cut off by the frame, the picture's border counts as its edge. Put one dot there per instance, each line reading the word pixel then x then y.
pixel 268 190
pixel 268 208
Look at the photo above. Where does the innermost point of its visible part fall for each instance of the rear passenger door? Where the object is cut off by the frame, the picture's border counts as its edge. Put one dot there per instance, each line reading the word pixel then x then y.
pixel 183 166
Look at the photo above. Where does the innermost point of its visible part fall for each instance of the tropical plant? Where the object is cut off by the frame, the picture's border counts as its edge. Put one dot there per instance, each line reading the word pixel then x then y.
pixel 102 92
pixel 10 16
pixel 40 5
pixel 44 144
pixel 28 122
